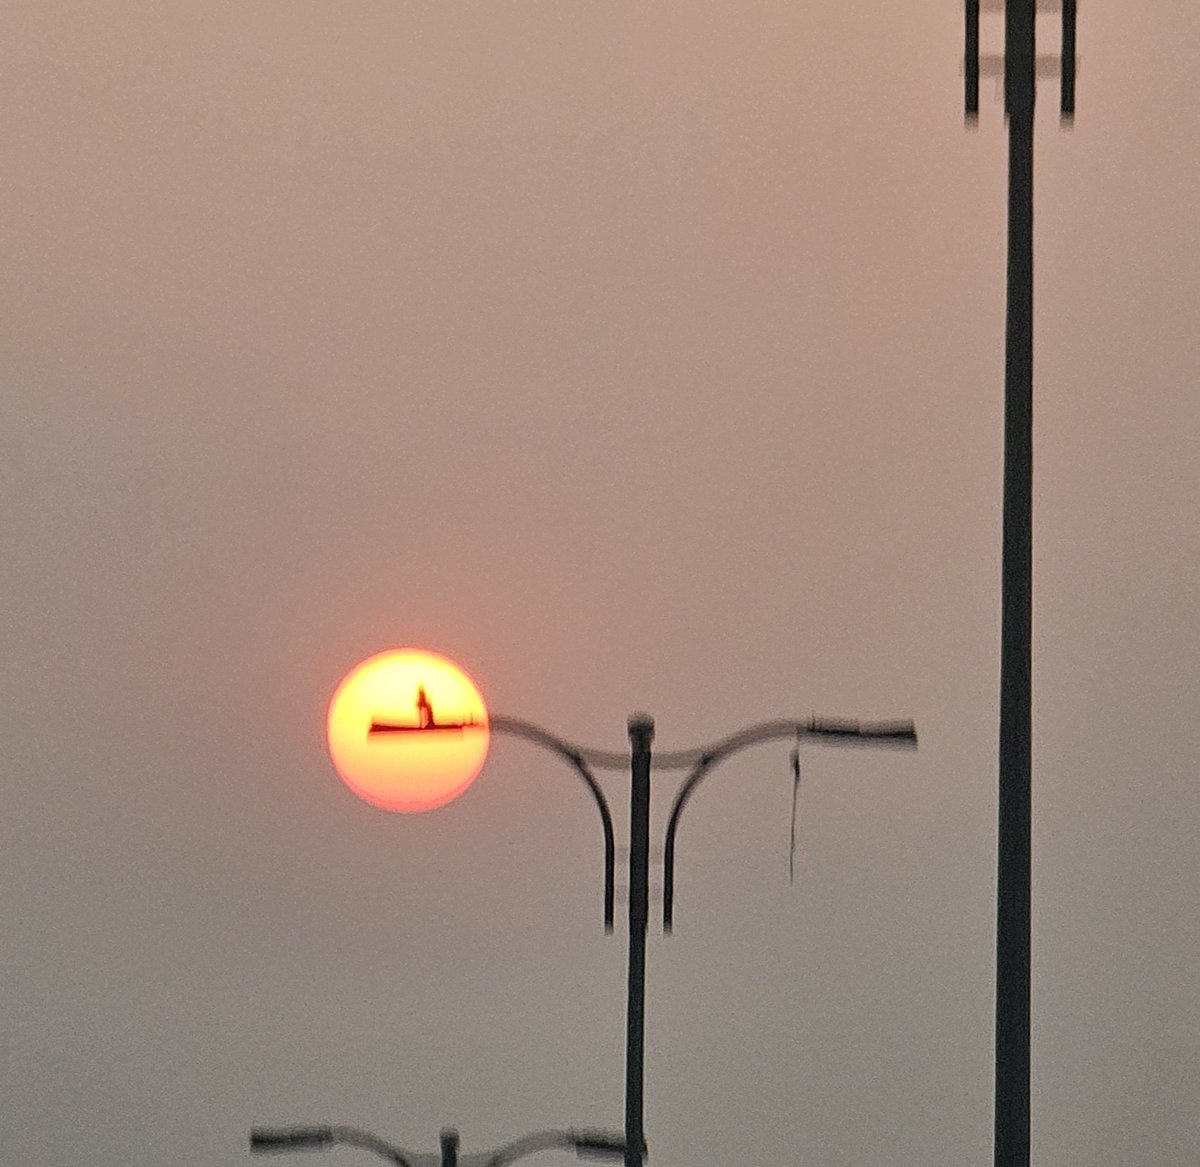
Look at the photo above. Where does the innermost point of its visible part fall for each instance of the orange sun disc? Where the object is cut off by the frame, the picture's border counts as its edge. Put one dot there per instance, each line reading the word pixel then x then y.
pixel 408 730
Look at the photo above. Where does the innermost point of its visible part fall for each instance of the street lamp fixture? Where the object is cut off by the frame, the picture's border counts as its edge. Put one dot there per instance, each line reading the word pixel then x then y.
pixel 371 706
pixel 585 1144
pixel 698 763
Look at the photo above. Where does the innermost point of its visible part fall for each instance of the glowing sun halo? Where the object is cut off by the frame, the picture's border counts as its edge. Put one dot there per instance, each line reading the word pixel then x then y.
pixel 431 730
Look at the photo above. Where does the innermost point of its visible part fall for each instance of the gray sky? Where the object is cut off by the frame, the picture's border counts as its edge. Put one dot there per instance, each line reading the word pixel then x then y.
pixel 636 356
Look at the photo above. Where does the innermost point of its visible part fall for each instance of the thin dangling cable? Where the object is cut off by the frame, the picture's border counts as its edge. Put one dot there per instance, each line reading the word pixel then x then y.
pixel 795 800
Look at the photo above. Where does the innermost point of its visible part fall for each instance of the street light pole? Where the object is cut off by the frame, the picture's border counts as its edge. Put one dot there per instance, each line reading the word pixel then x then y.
pixel 1015 800
pixel 1015 805
pixel 698 762
pixel 448 1140
pixel 641 735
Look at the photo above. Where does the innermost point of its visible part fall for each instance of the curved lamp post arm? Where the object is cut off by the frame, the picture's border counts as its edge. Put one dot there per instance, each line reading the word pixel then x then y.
pixel 530 1145
pixel 321 1138
pixel 833 730
pixel 578 758
pixel 599 1144
pixel 348 1136
pixel 292 1138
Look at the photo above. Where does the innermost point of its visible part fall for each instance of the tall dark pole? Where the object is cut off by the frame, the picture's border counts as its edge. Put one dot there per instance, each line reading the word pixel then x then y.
pixel 641 734
pixel 1013 921
pixel 1013 883
pixel 449 1144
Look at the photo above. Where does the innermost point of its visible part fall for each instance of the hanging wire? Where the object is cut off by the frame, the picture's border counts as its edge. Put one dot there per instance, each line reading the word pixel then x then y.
pixel 795 800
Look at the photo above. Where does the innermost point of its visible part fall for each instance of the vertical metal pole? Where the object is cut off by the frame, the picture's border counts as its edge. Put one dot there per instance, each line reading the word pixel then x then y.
pixel 971 59
pixel 641 734
pixel 1012 1126
pixel 1068 60
pixel 449 1141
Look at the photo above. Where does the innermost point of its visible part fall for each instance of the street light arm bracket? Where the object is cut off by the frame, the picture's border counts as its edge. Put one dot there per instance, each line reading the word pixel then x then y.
pixel 321 1138
pixel 580 761
pixel 295 1138
pixel 575 754
pixel 841 731
pixel 348 1136
pixel 530 1145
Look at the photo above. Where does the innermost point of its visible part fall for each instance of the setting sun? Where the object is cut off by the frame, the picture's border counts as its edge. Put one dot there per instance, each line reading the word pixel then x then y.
pixel 408 730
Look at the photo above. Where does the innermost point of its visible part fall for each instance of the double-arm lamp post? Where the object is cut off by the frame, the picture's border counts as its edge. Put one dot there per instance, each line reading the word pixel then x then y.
pixel 698 763
pixel 594 1144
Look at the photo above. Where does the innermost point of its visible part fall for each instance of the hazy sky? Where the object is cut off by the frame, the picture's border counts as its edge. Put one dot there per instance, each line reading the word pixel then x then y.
pixel 638 356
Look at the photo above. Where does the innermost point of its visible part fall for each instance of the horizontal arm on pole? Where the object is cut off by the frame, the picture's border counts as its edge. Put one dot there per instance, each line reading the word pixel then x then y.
pixel 317 1138
pixel 530 1145
pixel 832 730
pixel 899 733
pixel 579 760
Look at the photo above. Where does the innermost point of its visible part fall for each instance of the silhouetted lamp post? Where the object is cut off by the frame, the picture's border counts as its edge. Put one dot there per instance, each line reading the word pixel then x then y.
pixel 1019 68
pixel 698 763
pixel 585 1143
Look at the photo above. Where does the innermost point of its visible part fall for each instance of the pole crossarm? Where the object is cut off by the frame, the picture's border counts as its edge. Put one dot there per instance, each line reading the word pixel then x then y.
pixel 839 731
pixel 348 1136
pixel 319 1138
pixel 597 1144
pixel 580 760
pixel 566 1140
pixel 1019 65
pixel 846 729
pixel 576 755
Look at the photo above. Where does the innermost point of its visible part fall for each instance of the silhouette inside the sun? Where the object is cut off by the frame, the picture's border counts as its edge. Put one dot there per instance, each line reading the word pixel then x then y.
pixel 424 709
pixel 426 722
